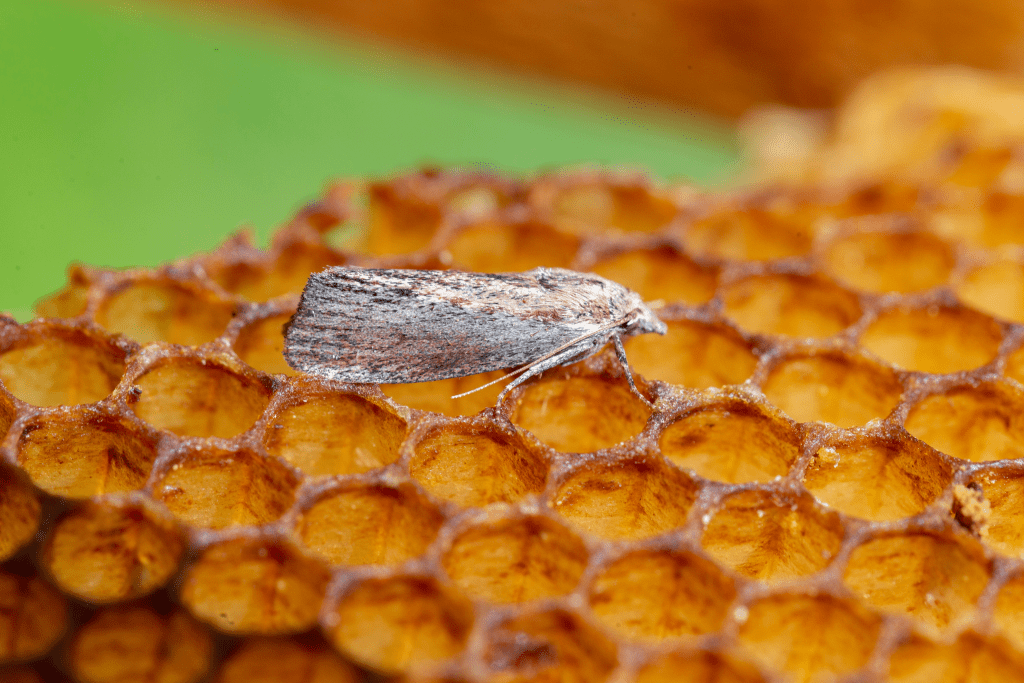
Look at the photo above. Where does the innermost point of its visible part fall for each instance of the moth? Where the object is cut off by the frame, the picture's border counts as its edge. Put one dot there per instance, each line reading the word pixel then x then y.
pixel 395 326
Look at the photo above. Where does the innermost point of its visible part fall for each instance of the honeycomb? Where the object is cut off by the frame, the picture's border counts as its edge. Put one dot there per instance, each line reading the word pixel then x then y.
pixel 828 487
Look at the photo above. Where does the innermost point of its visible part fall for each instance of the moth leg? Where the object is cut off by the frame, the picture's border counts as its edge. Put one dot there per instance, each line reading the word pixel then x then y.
pixel 620 351
pixel 534 370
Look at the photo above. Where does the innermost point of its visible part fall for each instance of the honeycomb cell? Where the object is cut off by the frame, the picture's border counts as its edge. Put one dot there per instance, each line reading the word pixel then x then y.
pixel 198 398
pixel 335 433
pixel 473 466
pixel 354 523
pixel 112 550
pixel 877 479
pixel 580 414
pixel 400 623
pixel 978 423
pixel 969 659
pixel 846 390
pixel 1001 214
pixel 165 311
pixel 515 560
pixel 506 248
pixel 934 339
pixel 770 537
pixel 19 511
pixel 437 396
pixel 33 617
pixel 399 222
pixel 605 207
pixel 170 648
pixel 934 579
pixel 82 453
pixel 288 273
pixel 693 354
pixel 699 666
pixel 49 366
pixel 996 289
pixel 890 262
pixel 255 586
pixel 657 595
pixel 660 274
pixel 748 235
pixel 791 305
pixel 1008 611
pixel 261 345
pixel 273 660
pixel 809 637
pixel 215 489
pixel 627 500
pixel 552 646
pixel 69 301
pixel 1004 491
pixel 731 441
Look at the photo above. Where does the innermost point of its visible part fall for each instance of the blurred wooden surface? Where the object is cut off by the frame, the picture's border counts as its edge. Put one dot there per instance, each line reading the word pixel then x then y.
pixel 719 56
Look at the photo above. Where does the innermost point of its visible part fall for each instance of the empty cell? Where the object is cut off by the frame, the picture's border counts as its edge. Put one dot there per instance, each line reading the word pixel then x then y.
pixel 731 441
pixel 630 499
pixel 790 305
pixel 255 586
pixel 877 479
pixel 751 234
pixel 400 222
pixel 1008 611
pixel 978 423
pixel 191 397
pixel 971 658
pixel 658 595
pixel 699 666
pixel 1003 490
pixel 890 262
pixel 693 354
pixel 661 274
pixel 33 617
pixel 399 624
pixel 148 311
pixel 474 467
pixel 286 274
pixel 846 390
pixel 610 207
pixel 273 660
pixel 437 396
pixel 996 289
pixel 772 538
pixel 19 511
pixel 261 345
pixel 934 339
pixel 1001 219
pixel 507 248
pixel 70 300
pixel 934 579
pixel 330 434
pixel 515 560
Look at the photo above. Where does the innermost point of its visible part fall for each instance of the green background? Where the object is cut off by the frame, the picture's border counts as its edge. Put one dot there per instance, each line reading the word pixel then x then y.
pixel 131 136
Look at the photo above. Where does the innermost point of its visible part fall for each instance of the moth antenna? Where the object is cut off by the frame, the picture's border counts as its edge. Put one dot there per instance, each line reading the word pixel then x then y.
pixel 493 382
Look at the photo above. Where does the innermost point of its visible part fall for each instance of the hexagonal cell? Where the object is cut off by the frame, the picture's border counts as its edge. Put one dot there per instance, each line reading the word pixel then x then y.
pixel 156 310
pixel 272 660
pixel 1004 491
pixel 698 666
pixel 995 288
pixel 354 523
pixel 286 275
pixel 261 345
pixel 693 354
pixel 933 339
pixel 437 396
pixel 1008 611
pixel 475 466
pixel 112 550
pixel 977 423
pixel 164 647
pixel 580 414
pixel 630 499
pixel 214 488
pixel 608 207
pixel 1001 215
pixel 70 300
pixel 335 434
pixel 847 390
pixel 969 659
pixel 48 365
pixel 82 453
pixel 19 511
pixel 791 305
pixel 399 222
pixel 731 441
pixel 255 586
pixel 515 560
pixel 400 623
pixel 890 262
pixel 660 274
pixel 505 248
pixel 934 579
pixel 656 595
pixel 809 637
pixel 877 479
pixel 549 646
pixel 33 617
pixel 194 397
pixel 748 234
pixel 770 537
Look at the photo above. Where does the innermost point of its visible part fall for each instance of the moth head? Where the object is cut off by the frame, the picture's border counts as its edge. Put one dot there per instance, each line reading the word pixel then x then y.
pixel 642 320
